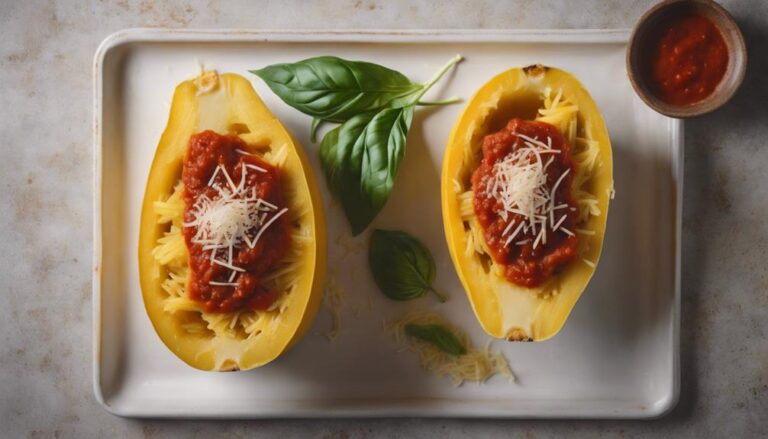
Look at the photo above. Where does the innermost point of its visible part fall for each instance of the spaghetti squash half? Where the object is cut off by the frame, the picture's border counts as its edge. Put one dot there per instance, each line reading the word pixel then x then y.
pixel 526 181
pixel 232 240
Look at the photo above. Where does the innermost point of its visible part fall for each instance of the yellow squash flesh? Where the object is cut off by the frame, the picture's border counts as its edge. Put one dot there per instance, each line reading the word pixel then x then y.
pixel 228 104
pixel 506 310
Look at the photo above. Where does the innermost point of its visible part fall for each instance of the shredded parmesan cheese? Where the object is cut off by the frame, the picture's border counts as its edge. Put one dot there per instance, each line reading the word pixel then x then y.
pixel 519 184
pixel 225 222
pixel 476 365
pixel 333 298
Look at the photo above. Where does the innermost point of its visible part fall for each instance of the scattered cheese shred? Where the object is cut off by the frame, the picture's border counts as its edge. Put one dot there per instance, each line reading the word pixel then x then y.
pixel 333 298
pixel 477 365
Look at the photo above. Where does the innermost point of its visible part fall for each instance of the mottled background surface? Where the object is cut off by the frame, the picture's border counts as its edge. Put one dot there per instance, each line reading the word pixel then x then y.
pixel 46 51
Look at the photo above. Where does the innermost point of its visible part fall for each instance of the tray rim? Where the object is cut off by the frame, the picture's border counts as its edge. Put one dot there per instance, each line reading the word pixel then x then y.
pixel 563 36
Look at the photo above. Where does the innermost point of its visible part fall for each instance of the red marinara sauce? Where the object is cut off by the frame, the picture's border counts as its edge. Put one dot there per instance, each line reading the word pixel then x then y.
pixel 687 60
pixel 205 152
pixel 523 264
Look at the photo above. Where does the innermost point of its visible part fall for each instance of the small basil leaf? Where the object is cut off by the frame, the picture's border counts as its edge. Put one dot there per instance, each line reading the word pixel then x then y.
pixel 437 335
pixel 361 159
pixel 335 89
pixel 402 267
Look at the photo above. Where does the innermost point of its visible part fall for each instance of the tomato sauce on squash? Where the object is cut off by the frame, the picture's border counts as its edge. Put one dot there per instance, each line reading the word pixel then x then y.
pixel 206 151
pixel 523 263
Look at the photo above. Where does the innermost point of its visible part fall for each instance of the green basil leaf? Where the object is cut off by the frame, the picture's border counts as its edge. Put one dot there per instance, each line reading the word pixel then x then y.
pixel 335 89
pixel 383 151
pixel 341 173
pixel 402 266
pixel 437 335
pixel 361 159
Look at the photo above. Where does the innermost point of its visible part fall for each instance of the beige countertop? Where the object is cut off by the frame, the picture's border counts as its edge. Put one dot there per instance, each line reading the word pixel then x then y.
pixel 46 52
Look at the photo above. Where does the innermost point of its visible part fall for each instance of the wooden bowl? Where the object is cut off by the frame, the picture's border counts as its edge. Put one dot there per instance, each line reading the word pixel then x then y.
pixel 647 28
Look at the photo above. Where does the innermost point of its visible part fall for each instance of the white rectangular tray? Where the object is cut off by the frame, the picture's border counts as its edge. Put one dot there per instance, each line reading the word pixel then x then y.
pixel 616 357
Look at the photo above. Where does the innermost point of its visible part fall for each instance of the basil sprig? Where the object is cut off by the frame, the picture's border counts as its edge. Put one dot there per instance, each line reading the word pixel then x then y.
pixel 402 267
pixel 438 336
pixel 361 157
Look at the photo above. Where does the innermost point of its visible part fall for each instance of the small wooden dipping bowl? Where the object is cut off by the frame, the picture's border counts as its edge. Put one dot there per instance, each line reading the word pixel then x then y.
pixel 646 32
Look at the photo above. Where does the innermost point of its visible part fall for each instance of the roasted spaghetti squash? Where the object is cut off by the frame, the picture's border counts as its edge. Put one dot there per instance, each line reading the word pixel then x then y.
pixel 526 182
pixel 232 240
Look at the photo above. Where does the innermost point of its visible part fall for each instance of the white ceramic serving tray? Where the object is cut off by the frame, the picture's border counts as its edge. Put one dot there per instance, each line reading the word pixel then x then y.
pixel 617 356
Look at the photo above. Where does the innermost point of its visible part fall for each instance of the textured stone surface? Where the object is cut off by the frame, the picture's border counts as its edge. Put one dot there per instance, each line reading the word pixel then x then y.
pixel 46 51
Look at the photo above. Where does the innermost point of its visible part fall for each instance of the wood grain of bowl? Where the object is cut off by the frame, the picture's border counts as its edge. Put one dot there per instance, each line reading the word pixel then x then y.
pixel 648 27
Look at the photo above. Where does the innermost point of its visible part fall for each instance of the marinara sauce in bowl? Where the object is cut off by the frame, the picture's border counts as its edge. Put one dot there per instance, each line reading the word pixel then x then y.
pixel 686 57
